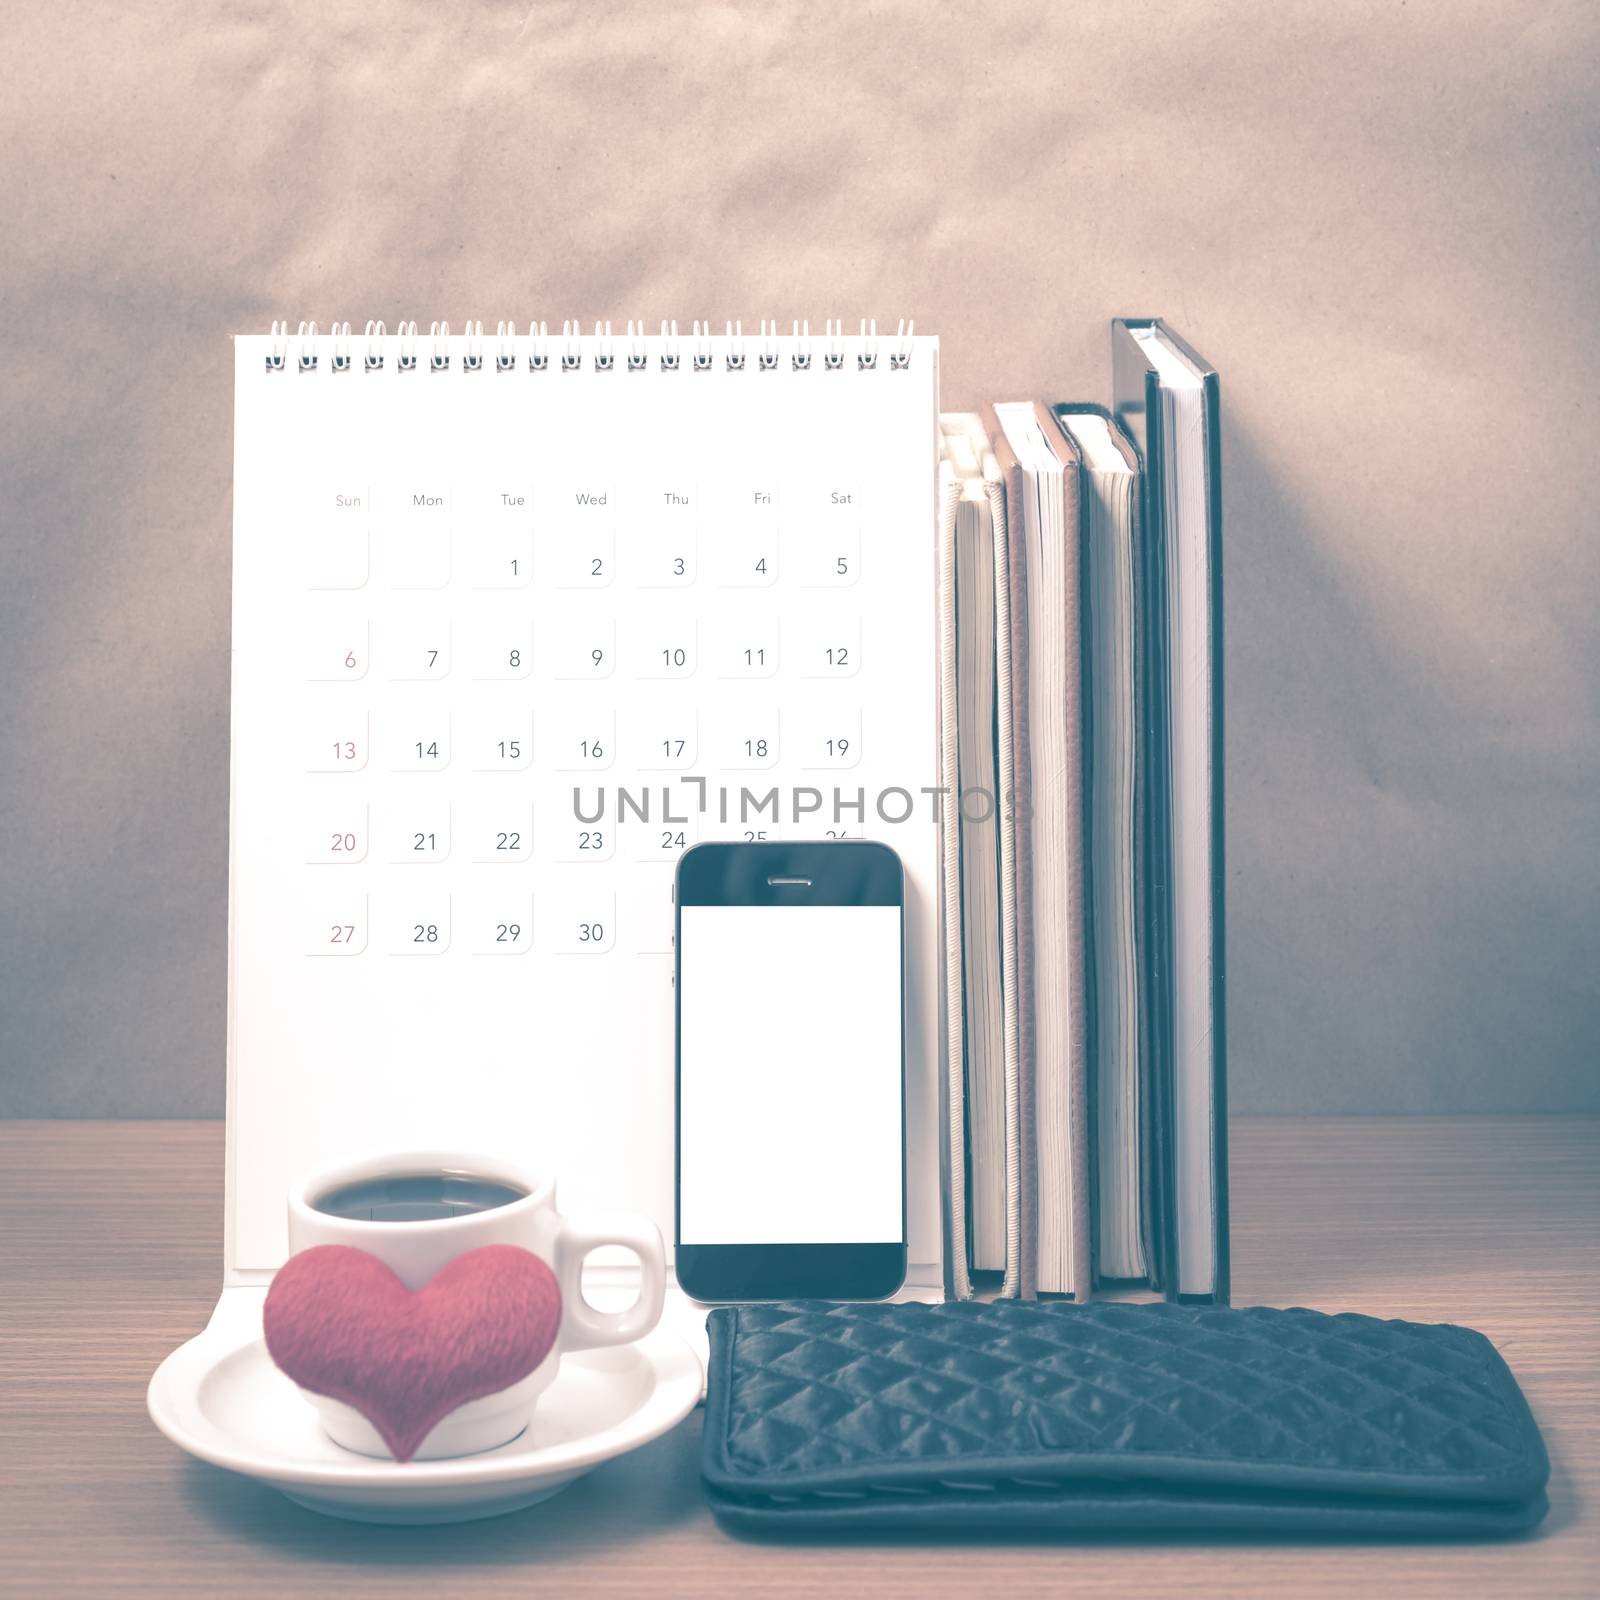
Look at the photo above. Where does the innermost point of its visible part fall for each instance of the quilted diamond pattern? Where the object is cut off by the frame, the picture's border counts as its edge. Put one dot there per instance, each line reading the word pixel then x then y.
pixel 863 1401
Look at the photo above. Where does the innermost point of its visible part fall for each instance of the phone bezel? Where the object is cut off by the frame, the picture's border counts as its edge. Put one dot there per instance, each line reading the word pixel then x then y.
pixel 838 872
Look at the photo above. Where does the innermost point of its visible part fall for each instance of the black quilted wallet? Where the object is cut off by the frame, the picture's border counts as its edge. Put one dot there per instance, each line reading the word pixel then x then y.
pixel 1022 1415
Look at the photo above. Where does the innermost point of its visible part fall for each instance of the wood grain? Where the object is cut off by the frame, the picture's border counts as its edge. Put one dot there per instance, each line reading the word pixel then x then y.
pixel 110 1255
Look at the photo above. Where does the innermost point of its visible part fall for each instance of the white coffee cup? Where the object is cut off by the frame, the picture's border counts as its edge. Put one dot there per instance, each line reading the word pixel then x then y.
pixel 416 1250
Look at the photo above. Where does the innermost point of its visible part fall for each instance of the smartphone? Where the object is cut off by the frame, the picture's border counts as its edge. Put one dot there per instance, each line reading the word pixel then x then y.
pixel 791 1071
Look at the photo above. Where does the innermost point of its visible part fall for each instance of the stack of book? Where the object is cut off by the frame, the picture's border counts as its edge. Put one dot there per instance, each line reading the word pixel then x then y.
pixel 1081 707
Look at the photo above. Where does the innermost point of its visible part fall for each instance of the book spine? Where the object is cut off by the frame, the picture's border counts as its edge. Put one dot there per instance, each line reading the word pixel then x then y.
pixel 952 1015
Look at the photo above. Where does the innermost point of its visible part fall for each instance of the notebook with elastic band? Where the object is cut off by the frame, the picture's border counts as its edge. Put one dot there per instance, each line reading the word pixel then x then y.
pixel 1023 1415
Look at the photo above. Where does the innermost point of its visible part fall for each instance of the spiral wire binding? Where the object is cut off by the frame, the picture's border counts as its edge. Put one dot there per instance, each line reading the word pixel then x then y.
pixel 827 355
pixel 833 349
pixel 867 361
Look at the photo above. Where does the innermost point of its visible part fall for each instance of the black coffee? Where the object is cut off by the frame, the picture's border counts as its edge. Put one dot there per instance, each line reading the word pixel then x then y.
pixel 417 1197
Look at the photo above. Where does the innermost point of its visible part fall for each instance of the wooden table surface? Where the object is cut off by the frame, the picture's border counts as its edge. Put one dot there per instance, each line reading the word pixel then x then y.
pixel 110 1255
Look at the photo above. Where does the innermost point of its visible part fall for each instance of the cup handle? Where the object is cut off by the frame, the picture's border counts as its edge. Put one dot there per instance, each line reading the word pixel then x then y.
pixel 584 1328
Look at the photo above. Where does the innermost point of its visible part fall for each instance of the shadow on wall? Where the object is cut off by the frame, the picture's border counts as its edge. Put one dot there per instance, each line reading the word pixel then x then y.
pixel 1399 934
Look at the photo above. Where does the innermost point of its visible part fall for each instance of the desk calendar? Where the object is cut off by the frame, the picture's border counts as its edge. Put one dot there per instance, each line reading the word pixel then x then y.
pixel 515 622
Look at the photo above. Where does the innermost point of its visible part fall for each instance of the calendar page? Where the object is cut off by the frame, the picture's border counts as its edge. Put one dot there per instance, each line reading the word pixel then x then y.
pixel 510 635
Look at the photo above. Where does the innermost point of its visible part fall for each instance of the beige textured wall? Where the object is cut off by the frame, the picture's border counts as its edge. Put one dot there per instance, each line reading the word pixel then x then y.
pixel 1378 220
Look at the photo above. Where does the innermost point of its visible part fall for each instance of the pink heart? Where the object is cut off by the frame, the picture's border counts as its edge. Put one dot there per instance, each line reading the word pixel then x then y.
pixel 340 1323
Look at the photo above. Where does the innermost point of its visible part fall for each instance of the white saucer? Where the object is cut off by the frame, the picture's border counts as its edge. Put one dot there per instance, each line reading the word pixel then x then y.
pixel 220 1398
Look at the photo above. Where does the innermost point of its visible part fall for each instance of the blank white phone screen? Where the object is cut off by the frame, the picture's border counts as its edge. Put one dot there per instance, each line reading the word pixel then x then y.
pixel 789 1077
